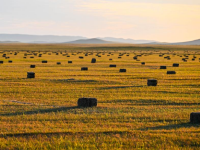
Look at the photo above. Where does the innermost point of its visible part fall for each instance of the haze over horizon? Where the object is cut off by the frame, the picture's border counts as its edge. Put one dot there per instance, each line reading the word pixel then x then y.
pixel 169 21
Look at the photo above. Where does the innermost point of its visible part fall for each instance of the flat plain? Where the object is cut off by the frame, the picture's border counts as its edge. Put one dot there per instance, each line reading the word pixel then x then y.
pixel 42 112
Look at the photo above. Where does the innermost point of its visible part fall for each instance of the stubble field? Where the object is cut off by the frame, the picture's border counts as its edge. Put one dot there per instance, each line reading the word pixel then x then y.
pixel 42 112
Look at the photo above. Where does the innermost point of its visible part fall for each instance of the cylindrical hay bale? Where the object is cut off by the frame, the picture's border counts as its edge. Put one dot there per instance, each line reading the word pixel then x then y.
pixel 31 57
pixel 195 117
pixel 93 60
pixel 84 68
pixel 143 63
pixel 81 57
pixel 24 57
pixel 30 74
pixel 32 66
pixel 152 82
pixel 69 62
pixel 1 62
pixel 58 63
pixel 10 61
pixel 113 65
pixel 44 61
pixel 119 57
pixel 87 102
pixel 175 65
pixel 171 72
pixel 122 70
pixel 110 59
pixel 163 67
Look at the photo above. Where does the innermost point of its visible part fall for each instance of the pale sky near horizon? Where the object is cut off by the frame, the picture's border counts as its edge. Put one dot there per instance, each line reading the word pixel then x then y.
pixel 160 20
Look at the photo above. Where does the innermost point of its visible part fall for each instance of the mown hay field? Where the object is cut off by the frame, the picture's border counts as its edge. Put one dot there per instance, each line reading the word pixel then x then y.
pixel 42 112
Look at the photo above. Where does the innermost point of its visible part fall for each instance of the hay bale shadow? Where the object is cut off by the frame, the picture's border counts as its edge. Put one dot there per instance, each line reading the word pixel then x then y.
pixel 41 111
pixel 172 126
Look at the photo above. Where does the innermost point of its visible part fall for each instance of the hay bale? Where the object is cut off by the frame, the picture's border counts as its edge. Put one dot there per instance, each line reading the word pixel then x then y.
pixel 112 65
pixel 24 57
pixel 10 61
pixel 44 61
pixel 110 59
pixel 93 60
pixel 81 57
pixel 175 65
pixel 69 62
pixel 87 102
pixel 143 63
pixel 58 63
pixel 1 62
pixel 119 57
pixel 32 66
pixel 195 117
pixel 163 67
pixel 171 72
pixel 31 57
pixel 152 82
pixel 135 57
pixel 122 70
pixel 30 74
pixel 84 68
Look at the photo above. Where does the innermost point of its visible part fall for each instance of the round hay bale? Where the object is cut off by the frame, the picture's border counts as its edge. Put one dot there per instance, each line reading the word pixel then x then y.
pixel 171 72
pixel 30 74
pixel 93 60
pixel 175 65
pixel 81 57
pixel 152 82
pixel 31 57
pixel 119 57
pixel 122 70
pixel 69 62
pixel 44 61
pixel 10 61
pixel 58 63
pixel 195 117
pixel 32 66
pixel 24 57
pixel 110 59
pixel 163 67
pixel 68 56
pixel 1 62
pixel 87 102
pixel 99 56
pixel 143 63
pixel 84 68
pixel 112 65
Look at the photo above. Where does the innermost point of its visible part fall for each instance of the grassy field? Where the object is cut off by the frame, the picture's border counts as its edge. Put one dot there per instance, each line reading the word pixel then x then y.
pixel 42 113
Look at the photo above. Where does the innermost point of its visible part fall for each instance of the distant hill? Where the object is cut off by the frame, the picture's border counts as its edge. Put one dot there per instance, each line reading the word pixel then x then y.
pixel 9 42
pixel 38 38
pixel 24 38
pixel 130 41
pixel 194 42
pixel 90 41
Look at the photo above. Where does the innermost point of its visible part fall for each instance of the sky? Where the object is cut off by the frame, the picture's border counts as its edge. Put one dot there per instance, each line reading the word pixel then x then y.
pixel 160 20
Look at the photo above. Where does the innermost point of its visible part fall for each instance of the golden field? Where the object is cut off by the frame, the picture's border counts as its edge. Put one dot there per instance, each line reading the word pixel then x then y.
pixel 42 112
